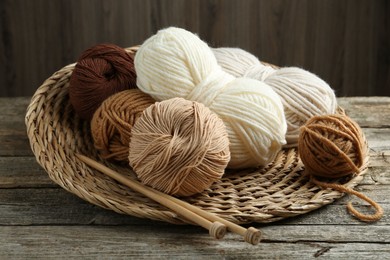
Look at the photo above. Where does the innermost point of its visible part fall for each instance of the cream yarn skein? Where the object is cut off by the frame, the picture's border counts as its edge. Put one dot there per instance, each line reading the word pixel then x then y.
pixel 303 94
pixel 176 63
pixel 240 63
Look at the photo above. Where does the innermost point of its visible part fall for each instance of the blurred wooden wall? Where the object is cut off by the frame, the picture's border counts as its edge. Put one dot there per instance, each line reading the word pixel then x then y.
pixel 345 42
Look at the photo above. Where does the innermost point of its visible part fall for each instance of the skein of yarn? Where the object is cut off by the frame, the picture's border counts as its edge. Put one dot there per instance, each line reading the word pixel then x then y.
pixel 101 71
pixel 176 63
pixel 179 147
pixel 303 94
pixel 333 146
pixel 112 123
pixel 240 63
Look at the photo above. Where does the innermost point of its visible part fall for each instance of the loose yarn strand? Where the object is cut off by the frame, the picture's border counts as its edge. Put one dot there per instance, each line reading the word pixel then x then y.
pixel 363 217
pixel 333 146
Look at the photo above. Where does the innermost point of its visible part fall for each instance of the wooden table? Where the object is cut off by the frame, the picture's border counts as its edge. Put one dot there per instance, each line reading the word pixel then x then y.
pixel 40 219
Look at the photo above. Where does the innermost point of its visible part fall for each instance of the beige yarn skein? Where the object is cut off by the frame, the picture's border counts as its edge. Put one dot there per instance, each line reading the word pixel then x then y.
pixel 176 63
pixel 303 94
pixel 179 147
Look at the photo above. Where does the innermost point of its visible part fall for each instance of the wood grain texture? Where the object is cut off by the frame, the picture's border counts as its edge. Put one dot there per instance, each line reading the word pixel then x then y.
pixel 140 242
pixel 37 214
pixel 344 42
pixel 55 206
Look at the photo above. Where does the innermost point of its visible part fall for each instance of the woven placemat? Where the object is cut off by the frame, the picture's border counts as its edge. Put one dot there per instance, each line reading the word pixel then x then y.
pixel 267 194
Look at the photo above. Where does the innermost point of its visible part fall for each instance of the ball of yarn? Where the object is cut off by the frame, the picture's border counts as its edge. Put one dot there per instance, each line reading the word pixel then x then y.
pixel 303 94
pixel 332 146
pixel 176 63
pixel 101 71
pixel 179 147
pixel 112 123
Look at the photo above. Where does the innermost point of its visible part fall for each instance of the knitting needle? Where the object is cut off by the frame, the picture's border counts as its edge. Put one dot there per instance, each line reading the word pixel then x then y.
pixel 250 235
pixel 216 229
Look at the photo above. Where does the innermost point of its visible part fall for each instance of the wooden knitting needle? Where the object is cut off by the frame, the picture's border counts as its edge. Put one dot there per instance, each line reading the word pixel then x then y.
pixel 216 229
pixel 250 235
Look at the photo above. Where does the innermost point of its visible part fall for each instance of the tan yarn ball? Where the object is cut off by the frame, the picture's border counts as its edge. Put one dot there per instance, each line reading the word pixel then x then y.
pixel 179 147
pixel 112 123
pixel 332 146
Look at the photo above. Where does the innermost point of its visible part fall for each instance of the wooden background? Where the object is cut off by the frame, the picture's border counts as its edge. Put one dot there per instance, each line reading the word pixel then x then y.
pixel 347 43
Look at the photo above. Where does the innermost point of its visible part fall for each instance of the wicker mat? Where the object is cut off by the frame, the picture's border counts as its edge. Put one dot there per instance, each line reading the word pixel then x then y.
pixel 267 194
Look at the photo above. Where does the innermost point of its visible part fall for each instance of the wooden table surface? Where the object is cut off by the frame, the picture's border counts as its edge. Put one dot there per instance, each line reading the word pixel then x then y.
pixel 39 219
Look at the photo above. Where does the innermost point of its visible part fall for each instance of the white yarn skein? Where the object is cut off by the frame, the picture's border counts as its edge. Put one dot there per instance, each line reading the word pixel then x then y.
pixel 303 94
pixel 240 63
pixel 176 63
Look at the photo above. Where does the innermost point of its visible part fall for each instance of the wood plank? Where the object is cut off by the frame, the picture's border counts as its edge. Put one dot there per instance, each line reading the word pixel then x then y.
pixel 141 242
pixel 373 112
pixel 15 144
pixel 335 214
pixel 339 233
pixel 344 42
pixel 13 136
pixel 55 206
pixel 377 175
pixel 13 109
pixel 355 36
pixel 378 138
pixel 18 172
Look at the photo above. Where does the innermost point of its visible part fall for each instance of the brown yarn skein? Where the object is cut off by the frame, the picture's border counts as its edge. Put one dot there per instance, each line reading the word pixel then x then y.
pixel 179 147
pixel 334 146
pixel 112 123
pixel 101 71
